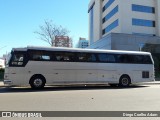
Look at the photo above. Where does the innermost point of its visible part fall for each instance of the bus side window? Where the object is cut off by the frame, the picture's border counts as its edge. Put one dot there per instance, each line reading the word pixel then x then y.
pixel 102 57
pixel 108 58
pixel 147 59
pixel 40 55
pixel 111 58
pixel 36 57
pixel 86 57
pixel 124 59
pixel 46 57
pixel 64 56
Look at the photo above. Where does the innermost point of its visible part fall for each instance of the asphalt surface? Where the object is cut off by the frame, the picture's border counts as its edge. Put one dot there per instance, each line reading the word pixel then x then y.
pixel 142 97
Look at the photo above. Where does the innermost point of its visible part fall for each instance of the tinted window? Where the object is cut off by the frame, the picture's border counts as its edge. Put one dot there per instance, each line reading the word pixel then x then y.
pixel 40 55
pixel 147 59
pixel 64 56
pixel 142 22
pixel 123 59
pixel 86 57
pixel 137 59
pixel 18 59
pixel 141 8
pixel 141 59
pixel 134 59
pixel 102 57
pixel 110 58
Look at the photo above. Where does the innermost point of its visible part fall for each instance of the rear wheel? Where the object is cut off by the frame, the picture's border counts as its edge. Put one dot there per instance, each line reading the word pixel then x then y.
pixel 124 81
pixel 37 82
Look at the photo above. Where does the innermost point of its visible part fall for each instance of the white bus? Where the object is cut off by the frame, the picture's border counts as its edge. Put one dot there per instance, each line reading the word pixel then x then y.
pixel 40 66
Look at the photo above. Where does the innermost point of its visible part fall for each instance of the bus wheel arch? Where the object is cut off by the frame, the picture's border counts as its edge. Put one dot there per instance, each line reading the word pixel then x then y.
pixel 37 81
pixel 125 80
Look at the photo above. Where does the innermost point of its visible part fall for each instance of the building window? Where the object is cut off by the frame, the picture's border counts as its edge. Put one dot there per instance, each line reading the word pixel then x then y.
pixel 110 27
pixel 142 22
pixel 143 34
pixel 141 8
pixel 107 4
pixel 91 15
pixel 110 14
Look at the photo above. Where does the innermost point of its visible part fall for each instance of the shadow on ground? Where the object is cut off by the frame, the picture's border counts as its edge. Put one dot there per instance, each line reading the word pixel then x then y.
pixel 65 88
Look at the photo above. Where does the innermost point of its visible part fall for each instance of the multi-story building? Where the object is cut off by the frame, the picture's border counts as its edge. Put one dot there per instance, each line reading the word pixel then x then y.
pixel 123 24
pixel 62 41
pixel 83 43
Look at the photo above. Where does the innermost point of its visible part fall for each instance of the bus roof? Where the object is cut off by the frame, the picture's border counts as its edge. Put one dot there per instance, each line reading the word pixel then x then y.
pixel 77 50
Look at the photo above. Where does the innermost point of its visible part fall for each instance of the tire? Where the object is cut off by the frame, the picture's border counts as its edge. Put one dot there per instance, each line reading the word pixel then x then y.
pixel 37 82
pixel 124 81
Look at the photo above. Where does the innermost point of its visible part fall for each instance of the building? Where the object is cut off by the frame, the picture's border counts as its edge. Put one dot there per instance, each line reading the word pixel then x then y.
pixel 124 24
pixel 2 63
pixel 62 41
pixel 83 43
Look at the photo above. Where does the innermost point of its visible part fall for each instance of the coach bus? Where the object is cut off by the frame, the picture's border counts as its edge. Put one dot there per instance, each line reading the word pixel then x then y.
pixel 40 66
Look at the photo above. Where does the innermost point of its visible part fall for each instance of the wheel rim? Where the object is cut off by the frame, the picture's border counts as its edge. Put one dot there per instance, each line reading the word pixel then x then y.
pixel 38 82
pixel 125 81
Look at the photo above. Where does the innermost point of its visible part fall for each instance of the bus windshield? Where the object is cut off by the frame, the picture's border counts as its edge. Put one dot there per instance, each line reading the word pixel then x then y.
pixel 8 59
pixel 17 59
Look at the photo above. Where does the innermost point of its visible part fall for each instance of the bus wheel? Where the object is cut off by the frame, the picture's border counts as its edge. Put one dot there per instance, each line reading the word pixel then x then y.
pixel 124 81
pixel 37 82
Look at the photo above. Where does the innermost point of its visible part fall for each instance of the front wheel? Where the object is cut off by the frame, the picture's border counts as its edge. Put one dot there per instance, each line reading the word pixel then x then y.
pixel 124 81
pixel 37 83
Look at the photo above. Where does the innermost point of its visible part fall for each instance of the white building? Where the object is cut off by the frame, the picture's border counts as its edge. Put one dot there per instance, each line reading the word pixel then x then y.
pixel 2 63
pixel 135 17
pixel 83 43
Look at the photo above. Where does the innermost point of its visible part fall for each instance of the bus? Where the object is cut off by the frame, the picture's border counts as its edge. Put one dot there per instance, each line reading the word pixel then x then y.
pixel 39 66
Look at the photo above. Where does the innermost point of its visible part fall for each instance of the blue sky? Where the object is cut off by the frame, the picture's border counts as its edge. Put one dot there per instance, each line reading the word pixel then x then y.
pixel 19 19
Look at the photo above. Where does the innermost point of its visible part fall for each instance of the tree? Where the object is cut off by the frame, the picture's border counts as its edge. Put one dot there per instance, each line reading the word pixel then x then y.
pixel 49 32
